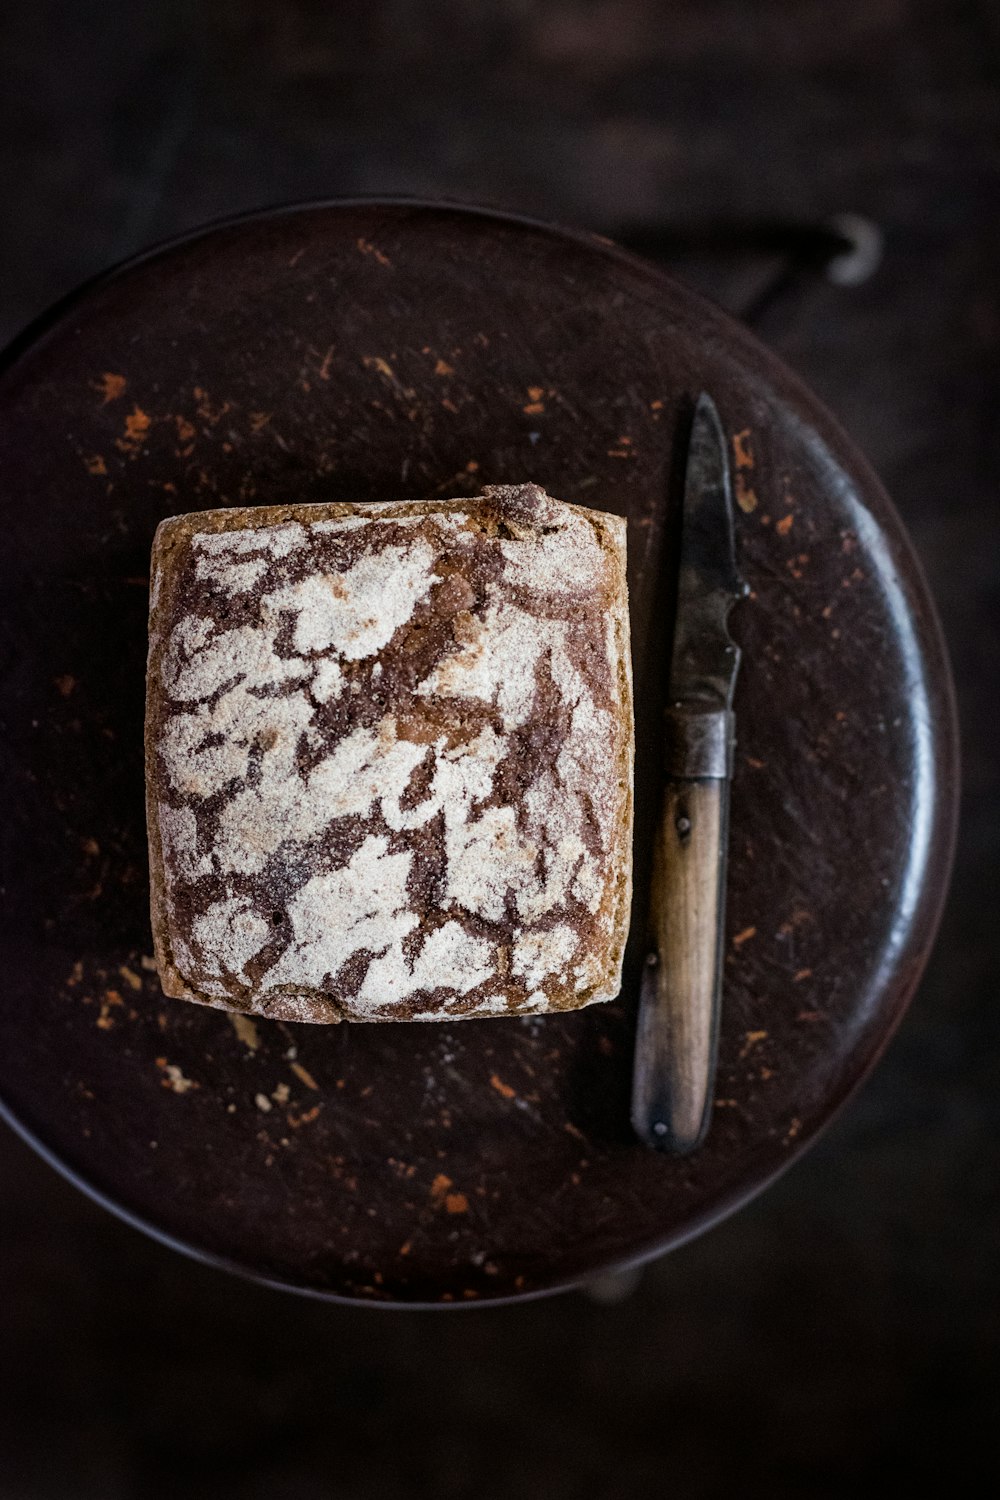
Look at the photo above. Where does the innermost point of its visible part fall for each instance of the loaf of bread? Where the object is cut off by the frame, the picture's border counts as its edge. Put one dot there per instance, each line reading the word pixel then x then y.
pixel 389 758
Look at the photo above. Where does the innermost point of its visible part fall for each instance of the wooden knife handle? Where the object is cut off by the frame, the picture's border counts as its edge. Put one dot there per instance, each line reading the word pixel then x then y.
pixel 682 979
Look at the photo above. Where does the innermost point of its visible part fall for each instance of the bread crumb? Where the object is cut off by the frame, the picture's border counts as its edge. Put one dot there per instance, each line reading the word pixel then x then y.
pixel 304 1075
pixel 246 1030
pixel 173 1078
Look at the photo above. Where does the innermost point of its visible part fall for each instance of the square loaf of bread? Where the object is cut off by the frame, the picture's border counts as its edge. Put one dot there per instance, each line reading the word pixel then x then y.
pixel 389 758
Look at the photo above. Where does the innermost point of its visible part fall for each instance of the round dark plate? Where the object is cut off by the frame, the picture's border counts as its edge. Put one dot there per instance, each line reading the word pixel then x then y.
pixel 361 351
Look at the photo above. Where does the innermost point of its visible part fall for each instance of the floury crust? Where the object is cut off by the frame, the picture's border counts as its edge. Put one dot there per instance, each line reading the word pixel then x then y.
pixel 389 758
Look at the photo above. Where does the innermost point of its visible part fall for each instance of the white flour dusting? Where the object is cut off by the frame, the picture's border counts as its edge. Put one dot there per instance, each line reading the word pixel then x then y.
pixel 246 702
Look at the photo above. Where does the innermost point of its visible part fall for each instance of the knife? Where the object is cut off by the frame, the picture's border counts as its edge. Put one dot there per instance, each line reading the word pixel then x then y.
pixel 677 1037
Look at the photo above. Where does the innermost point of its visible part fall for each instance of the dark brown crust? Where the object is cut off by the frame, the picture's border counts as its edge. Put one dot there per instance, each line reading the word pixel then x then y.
pixel 172 543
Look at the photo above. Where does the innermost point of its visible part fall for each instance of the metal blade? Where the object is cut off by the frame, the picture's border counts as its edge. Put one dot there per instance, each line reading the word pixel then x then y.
pixel 704 660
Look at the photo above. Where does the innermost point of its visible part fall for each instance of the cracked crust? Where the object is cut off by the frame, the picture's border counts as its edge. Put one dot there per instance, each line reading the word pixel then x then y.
pixel 389 758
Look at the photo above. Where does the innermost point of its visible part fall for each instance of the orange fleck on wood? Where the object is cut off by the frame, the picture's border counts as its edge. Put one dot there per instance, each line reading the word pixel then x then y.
pixel 259 419
pixel 793 1130
pixel 784 526
pixel 501 1087
pixel 756 765
pixel 65 684
pixel 744 936
pixel 406 1248
pixel 801 974
pixel 96 465
pixel 306 1118
pixel 444 368
pixel 746 498
pixel 450 406
pixel 533 408
pixel 472 467
pixel 572 1130
pixel 456 1203
pixel 376 362
pixel 742 453
pixel 751 1040
pixel 440 1186
pixel 656 406
pixel 111 387
pixel 619 453
pixel 130 977
pixel 536 392
pixel 324 369
pixel 304 1075
pixel 209 413
pixel 766 1073
pixel 137 424
pixel 367 248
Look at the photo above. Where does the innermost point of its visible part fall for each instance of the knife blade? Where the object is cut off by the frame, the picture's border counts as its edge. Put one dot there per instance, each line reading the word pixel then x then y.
pixel 680 997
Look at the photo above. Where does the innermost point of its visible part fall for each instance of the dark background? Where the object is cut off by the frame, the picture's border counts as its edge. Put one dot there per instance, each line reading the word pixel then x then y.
pixel 843 1332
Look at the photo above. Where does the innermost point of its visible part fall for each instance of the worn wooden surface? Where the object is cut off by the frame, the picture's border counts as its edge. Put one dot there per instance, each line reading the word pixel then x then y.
pixel 380 353
pixel 844 1327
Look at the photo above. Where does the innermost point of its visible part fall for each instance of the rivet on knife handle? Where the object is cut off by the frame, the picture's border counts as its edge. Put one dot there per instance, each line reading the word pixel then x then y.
pixel 680 999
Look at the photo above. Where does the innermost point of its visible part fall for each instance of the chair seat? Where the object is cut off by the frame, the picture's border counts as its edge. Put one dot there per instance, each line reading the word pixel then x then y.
pixel 381 351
